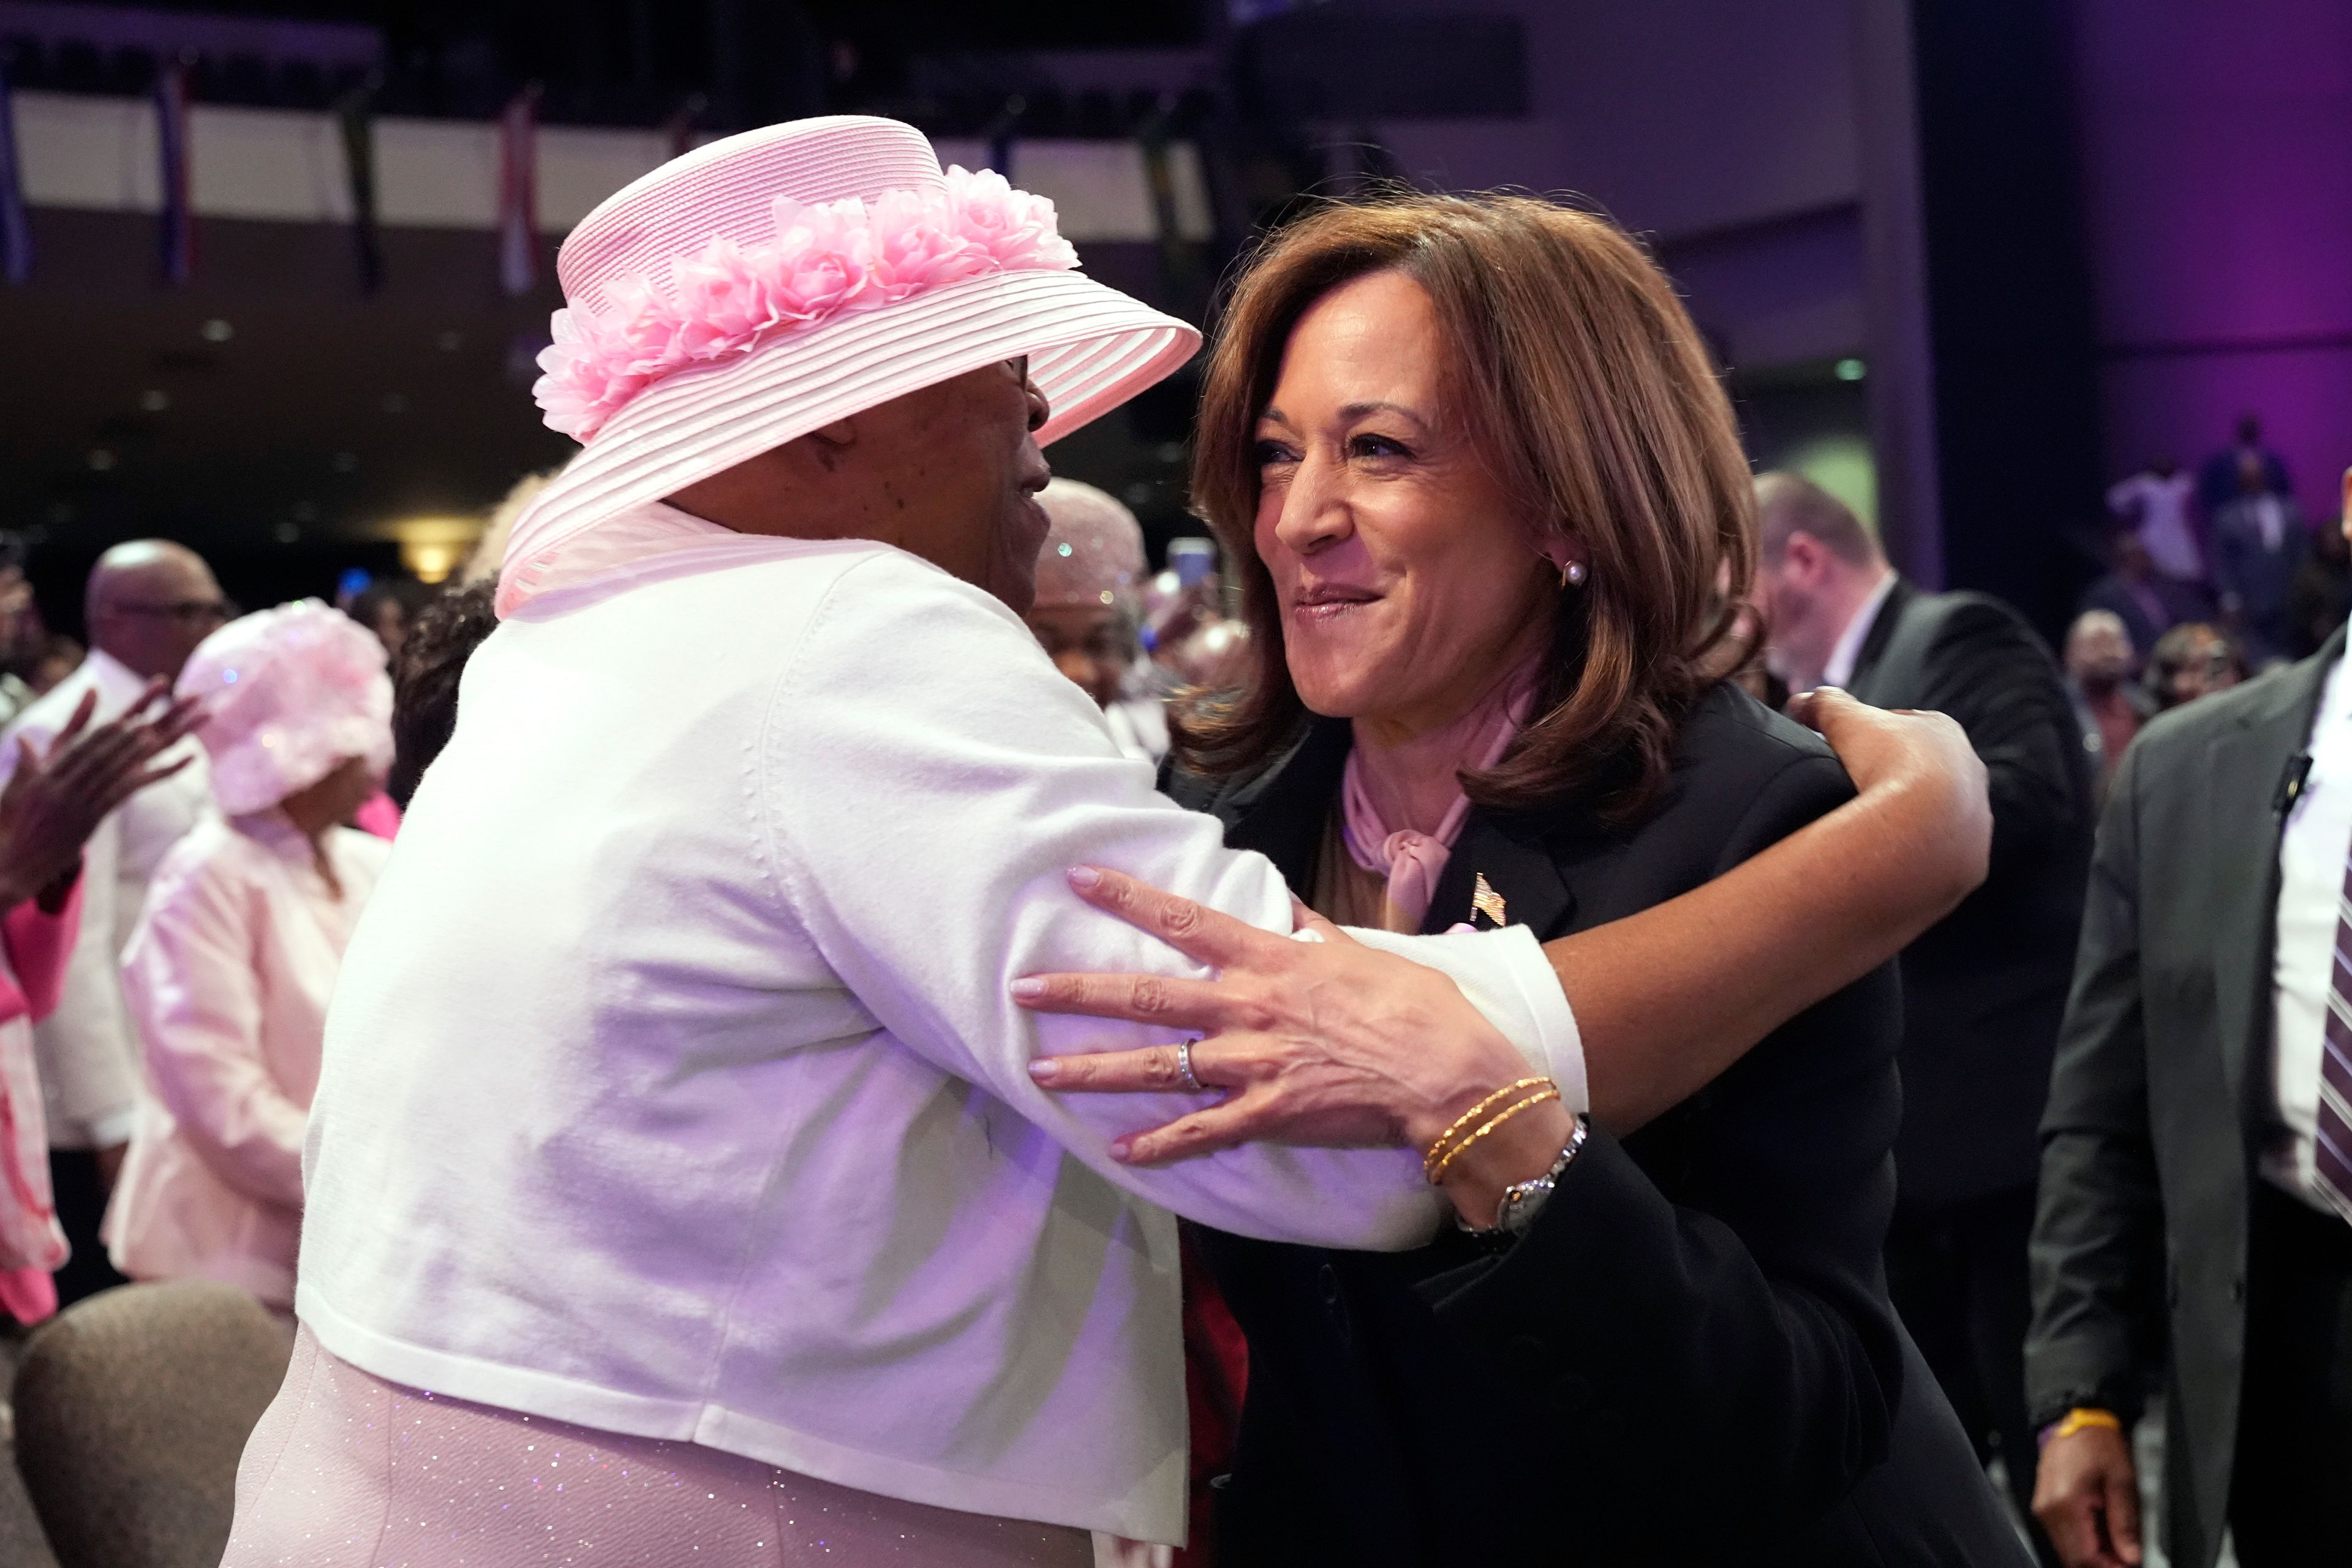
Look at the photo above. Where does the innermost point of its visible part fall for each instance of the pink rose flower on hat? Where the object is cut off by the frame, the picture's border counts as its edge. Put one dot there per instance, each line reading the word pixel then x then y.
pixel 827 260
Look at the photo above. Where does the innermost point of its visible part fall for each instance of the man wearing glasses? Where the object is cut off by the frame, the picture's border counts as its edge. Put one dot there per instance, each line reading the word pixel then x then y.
pixel 149 603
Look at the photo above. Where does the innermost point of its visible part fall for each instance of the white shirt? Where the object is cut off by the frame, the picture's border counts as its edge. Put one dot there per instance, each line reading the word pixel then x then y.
pixel 88 1053
pixel 2161 504
pixel 673 1086
pixel 228 976
pixel 1847 651
pixel 2312 856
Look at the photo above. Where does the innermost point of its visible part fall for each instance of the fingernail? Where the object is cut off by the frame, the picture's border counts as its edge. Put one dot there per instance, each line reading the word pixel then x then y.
pixel 1083 876
pixel 1028 987
pixel 1045 1069
pixel 1119 1147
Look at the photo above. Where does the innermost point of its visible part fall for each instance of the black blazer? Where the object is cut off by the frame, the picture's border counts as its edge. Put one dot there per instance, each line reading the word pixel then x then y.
pixel 1691 1358
pixel 2150 1143
pixel 1983 990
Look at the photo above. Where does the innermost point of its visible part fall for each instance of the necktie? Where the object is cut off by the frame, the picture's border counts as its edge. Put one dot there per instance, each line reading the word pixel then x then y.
pixel 2331 1154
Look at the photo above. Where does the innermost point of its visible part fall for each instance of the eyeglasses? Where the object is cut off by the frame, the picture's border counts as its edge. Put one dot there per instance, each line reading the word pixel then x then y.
pixel 186 612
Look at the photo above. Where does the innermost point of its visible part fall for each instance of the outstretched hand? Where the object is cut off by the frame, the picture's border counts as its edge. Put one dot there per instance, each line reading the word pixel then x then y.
pixel 1902 750
pixel 58 796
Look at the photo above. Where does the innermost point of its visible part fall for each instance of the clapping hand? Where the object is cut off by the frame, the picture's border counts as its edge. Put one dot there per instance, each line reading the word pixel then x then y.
pixel 58 796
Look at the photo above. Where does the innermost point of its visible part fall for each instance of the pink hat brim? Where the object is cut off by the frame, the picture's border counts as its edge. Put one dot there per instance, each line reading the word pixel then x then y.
pixel 1090 349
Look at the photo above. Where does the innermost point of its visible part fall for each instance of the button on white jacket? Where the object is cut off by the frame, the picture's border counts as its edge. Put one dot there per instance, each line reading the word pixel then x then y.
pixel 673 1086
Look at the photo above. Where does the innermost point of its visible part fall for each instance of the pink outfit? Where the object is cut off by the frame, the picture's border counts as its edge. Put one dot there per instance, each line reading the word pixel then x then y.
pixel 227 978
pixel 359 1472
pixel 37 944
pixel 1414 862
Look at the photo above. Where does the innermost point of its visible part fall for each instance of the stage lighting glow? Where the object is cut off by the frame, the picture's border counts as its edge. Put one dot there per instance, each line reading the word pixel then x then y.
pixel 1850 370
pixel 155 400
pixel 432 547
pixel 218 331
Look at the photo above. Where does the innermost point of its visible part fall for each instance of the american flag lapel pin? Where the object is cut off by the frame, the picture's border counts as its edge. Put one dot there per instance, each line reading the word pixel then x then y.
pixel 1485 900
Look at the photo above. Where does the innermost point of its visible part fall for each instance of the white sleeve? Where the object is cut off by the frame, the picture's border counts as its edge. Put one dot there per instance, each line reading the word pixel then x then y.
pixel 926 777
pixel 189 978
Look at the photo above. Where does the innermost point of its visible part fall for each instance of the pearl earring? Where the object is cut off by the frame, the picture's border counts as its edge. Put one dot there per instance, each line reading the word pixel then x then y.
pixel 1572 573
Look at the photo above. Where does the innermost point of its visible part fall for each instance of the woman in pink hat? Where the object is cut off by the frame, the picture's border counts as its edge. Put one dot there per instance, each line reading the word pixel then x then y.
pixel 676 1187
pixel 228 972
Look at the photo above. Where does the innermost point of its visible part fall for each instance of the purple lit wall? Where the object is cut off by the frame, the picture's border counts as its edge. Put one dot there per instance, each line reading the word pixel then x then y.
pixel 2217 146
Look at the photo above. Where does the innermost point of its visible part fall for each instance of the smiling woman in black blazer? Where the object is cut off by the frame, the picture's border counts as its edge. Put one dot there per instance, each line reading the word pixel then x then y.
pixel 1487 499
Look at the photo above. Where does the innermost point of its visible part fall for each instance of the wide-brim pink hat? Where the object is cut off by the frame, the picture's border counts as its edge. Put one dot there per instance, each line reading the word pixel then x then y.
pixel 770 283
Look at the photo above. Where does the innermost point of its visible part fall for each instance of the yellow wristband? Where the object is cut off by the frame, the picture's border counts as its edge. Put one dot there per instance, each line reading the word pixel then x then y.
pixel 2079 1419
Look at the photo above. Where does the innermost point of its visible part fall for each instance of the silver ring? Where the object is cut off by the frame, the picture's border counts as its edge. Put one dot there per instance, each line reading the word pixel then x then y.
pixel 1184 1073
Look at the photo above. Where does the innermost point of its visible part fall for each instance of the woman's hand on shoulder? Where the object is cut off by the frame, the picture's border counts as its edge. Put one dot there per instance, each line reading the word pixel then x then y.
pixel 1311 1038
pixel 1918 771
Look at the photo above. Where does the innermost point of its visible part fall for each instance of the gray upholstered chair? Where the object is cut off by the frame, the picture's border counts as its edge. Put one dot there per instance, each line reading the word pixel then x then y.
pixel 133 1407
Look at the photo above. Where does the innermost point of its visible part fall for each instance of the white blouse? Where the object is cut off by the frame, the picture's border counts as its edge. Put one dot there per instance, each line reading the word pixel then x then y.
pixel 228 976
pixel 673 1087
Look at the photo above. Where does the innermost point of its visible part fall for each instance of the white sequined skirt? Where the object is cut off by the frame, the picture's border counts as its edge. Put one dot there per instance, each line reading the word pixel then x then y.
pixel 347 1470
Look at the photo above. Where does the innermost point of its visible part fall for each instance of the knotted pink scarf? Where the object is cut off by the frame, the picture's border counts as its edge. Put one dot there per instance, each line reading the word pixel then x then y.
pixel 1413 861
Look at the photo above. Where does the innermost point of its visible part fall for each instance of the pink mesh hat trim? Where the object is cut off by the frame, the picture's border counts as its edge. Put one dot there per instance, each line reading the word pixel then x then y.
pixel 1093 554
pixel 717 224
pixel 288 694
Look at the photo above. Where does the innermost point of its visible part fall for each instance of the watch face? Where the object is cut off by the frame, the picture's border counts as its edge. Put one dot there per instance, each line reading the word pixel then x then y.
pixel 1519 1206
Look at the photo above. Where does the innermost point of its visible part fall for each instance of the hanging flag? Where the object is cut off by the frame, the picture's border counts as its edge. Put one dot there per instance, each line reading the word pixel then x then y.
pixel 356 116
pixel 519 194
pixel 176 231
pixel 15 231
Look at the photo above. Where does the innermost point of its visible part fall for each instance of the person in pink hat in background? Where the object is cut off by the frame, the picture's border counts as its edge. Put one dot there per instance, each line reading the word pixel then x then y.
pixel 675 1186
pixel 1088 611
pixel 229 971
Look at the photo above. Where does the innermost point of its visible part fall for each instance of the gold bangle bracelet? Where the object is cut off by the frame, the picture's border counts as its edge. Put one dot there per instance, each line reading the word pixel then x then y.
pixel 1468 1117
pixel 1550 1092
pixel 2083 1418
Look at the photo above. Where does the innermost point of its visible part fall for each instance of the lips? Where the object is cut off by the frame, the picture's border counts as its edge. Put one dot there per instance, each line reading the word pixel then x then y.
pixel 1330 601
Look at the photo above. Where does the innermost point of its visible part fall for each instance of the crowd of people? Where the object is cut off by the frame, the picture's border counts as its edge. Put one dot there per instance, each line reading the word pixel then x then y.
pixel 814 981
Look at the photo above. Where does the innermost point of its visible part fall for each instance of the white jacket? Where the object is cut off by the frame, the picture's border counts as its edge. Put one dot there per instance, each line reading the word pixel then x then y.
pixel 227 977
pixel 673 1087
pixel 87 1049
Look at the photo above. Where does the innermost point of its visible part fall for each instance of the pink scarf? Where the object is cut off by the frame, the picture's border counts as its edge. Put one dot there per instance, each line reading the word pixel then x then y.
pixel 1412 861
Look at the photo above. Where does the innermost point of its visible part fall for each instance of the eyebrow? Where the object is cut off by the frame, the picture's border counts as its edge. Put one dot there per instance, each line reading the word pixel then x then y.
pixel 1353 412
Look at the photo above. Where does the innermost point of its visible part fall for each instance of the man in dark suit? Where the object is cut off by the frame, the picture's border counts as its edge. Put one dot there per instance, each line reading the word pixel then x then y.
pixel 2197 1156
pixel 1984 989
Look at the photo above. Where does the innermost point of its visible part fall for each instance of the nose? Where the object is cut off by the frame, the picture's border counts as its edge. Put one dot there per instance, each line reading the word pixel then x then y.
pixel 1315 512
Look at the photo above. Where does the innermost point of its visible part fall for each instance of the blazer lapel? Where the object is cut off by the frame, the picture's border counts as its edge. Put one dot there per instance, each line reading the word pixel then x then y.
pixel 1518 875
pixel 2244 765
pixel 1880 633
pixel 1282 813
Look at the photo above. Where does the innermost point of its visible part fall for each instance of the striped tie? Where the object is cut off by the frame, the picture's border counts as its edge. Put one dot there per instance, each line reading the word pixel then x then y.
pixel 2333 1151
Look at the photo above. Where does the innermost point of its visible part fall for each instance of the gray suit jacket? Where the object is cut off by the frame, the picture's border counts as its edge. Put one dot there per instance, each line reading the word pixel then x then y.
pixel 2149 1144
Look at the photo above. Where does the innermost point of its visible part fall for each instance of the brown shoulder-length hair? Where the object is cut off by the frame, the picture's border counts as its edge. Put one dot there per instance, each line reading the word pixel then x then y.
pixel 1578 374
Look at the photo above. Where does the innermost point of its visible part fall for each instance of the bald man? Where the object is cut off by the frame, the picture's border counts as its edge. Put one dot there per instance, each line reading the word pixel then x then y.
pixel 149 603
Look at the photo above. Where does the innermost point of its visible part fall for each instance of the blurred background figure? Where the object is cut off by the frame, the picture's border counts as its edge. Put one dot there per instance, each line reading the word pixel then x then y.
pixel 2149 603
pixel 147 605
pixel 53 802
pixel 2108 701
pixel 2197 1164
pixel 1089 608
pixel 1193 642
pixel 388 607
pixel 491 549
pixel 2193 661
pixel 2320 597
pixel 2246 467
pixel 2156 504
pixel 229 971
pixel 1983 990
pixel 2259 543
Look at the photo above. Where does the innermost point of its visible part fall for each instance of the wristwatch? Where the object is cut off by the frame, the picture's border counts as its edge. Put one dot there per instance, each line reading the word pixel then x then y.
pixel 1516 1210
